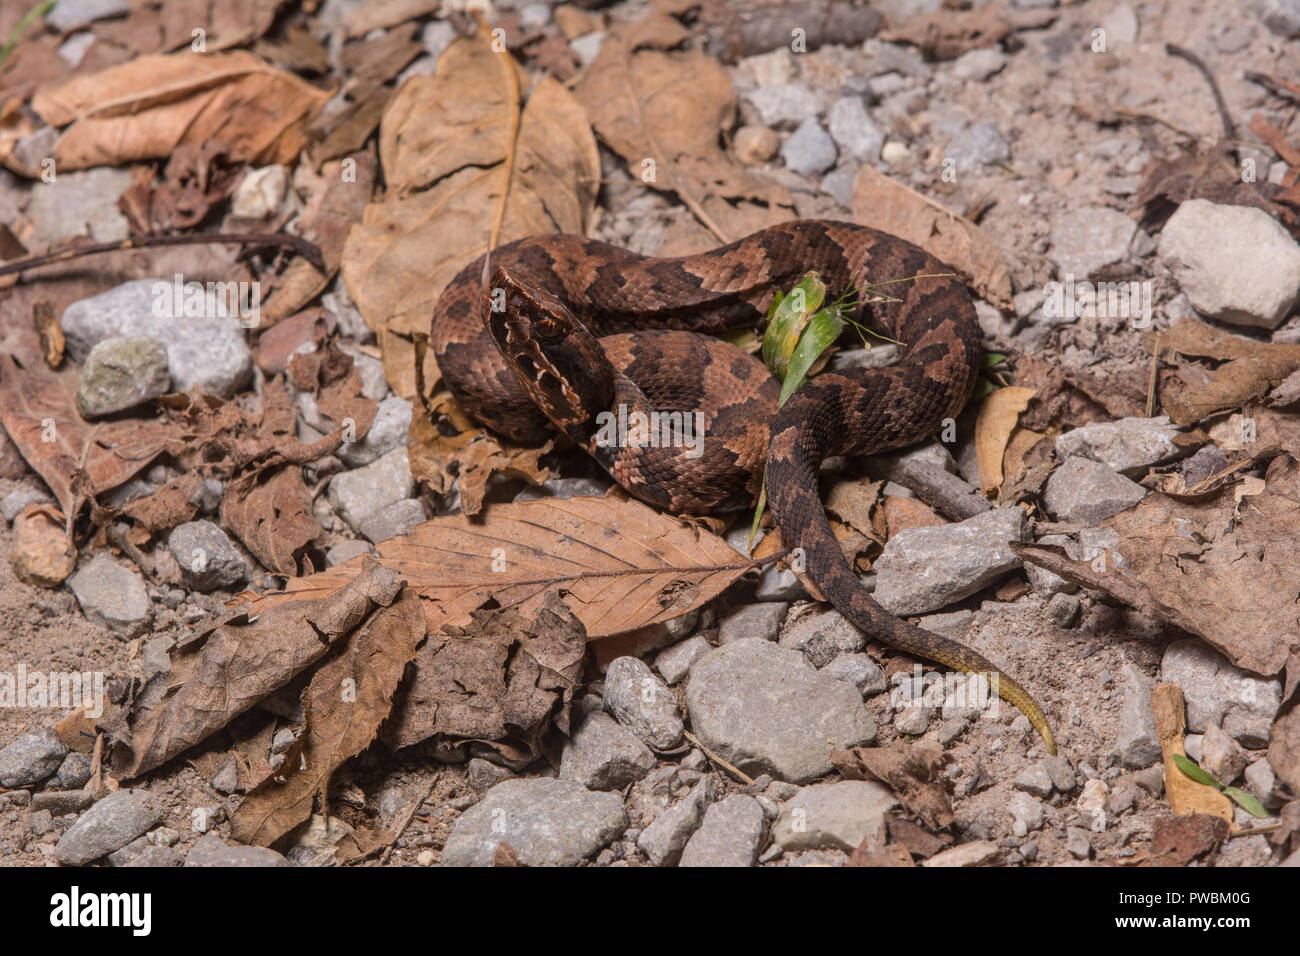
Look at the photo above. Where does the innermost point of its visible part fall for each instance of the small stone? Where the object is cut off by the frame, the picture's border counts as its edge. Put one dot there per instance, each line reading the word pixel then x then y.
pixel 386 432
pixel 1282 17
pixel 1192 744
pixel 913 720
pixel 156 856
pixel 1062 776
pixel 1063 609
pixel 1092 803
pixel 809 151
pixel 1122 798
pixel 832 815
pixel 602 755
pixel 1218 694
pixel 1129 446
pixel 1235 263
pixel 212 851
pixel 780 584
pixel 109 825
pixel 784 106
pixel 16 502
pixel 74 772
pixel 1087 492
pixel 894 153
pixel 113 596
pixel 860 671
pixel 31 758
pixel 1261 780
pixel 1085 240
pixel 978 65
pixel 755 145
pixel 975 853
pixel 1077 842
pixel 260 192
pixel 641 702
pixel 546 822
pixel 69 15
pixel 1034 780
pixel 854 131
pixel 76 202
pixel 484 775
pixel 226 779
pixel 1137 744
pixel 399 518
pixel 206 557
pixel 1152 780
pixel 978 146
pixel 1027 810
pixel 664 839
pixel 823 636
pixel 1045 582
pixel 359 493
pixel 674 662
pixel 1224 758
pixel 121 373
pixel 345 551
pixel 41 551
pixel 732 831
pixel 762 621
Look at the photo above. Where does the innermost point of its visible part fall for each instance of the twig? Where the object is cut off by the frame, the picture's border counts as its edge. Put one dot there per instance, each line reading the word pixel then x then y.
pixel 511 146
pixel 307 250
pixel 406 821
pixel 1229 131
pixel 735 771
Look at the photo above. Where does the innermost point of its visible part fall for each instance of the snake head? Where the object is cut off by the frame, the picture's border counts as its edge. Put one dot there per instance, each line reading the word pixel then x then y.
pixel 556 358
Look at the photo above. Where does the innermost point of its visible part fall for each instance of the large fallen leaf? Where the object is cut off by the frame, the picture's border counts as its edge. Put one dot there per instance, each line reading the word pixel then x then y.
pixel 350 695
pixel 1185 794
pixel 147 108
pixel 621 564
pixel 948 34
pixel 883 203
pixel 663 111
pixel 998 415
pixel 1068 398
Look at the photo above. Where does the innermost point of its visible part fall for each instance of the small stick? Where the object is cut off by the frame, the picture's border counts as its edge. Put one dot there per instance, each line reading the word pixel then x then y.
pixel 1229 131
pixel 307 250
pixel 733 770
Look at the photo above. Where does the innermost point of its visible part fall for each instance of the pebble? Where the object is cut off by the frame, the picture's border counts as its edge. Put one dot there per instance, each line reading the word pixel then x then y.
pixel 69 15
pixel 978 65
pixel 603 755
pixel 484 774
pixel 359 493
pixel 60 802
pixel 41 551
pixel 345 551
pixel 835 816
pixel 1063 610
pixel 1092 804
pixel 211 850
pixel 565 488
pixel 913 719
pixel 209 353
pixel 823 636
pixel 387 432
pixel 31 758
pixel 546 822
pixel 1086 492
pixel 977 146
pixel 664 839
pixel 399 518
pixel 731 834
pixel 1261 780
pixel 1034 780
pixel 1026 810
pixel 74 772
pixel 838 183
pixel 1224 758
pixel 1218 694
pixel 156 856
pixel 1085 240
pixel 779 584
pixel 207 559
pixel 1129 446
pixel 784 106
pixel 109 825
pixel 860 670
pixel 14 503
pixel 1122 797
pixel 1077 842
pixel 113 596
pixel 809 151
pixel 854 131
pixel 755 145
pixel 260 192
pixel 675 662
pixel 1282 17
pixel 924 569
pixel 642 703
pixel 1048 583
pixel 1136 743
pixel 1152 779
pixel 975 853
pixel 765 709
pixel 121 373
pixel 762 621
pixel 1235 263
pixel 78 202
pixel 1062 776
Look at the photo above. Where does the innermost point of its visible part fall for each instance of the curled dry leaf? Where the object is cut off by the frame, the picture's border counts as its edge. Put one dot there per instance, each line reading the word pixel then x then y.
pixel 1177 841
pixel 948 34
pixel 884 204
pixel 620 564
pixel 219 676
pixel 1185 795
pixel 912 770
pixel 147 108
pixel 998 415
pixel 349 697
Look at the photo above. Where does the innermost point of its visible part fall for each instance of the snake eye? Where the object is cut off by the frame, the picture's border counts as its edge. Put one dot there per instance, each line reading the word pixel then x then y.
pixel 549 327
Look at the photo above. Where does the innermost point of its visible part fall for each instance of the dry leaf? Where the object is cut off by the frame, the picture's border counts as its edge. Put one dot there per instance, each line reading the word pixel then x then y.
pixel 1284 744
pixel 885 204
pixel 998 415
pixel 948 34
pixel 271 513
pixel 1177 841
pixel 1185 794
pixel 913 770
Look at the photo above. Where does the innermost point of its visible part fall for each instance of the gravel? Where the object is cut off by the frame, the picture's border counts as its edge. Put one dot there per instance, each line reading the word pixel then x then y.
pixel 109 825
pixel 206 557
pixel 113 596
pixel 664 839
pixel 731 834
pixel 833 816
pixel 602 755
pixel 121 373
pixel 1218 694
pixel 31 758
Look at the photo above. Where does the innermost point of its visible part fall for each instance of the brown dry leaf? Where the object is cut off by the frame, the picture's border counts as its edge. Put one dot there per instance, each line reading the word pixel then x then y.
pixel 948 34
pixel 1209 174
pixel 621 564
pixel 663 111
pixel 913 770
pixel 41 418
pixel 1227 571
pixel 1284 744
pixel 918 841
pixel 1185 795
pixel 270 511
pixel 445 146
pixel 377 14
pixel 239 663
pixel 891 855
pixel 500 680
pixel 854 502
pixel 1260 432
pixel 174 503
pixel 883 203
pixel 1177 841
pixel 149 107
pixel 904 513
pixel 1069 398
pixel 1018 461
pixel 998 416
pixel 1288 393
pixel 197 177
pixel 348 699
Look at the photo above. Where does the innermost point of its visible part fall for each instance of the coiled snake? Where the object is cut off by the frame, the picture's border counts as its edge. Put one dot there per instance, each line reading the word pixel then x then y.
pixel 570 333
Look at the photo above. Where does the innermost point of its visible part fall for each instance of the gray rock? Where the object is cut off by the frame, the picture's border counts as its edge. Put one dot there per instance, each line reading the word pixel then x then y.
pixel 387 432
pixel 70 15
pixel 374 384
pixel 1224 757
pixel 588 46
pixel 345 551
pixel 60 802
pixel 838 183
pixel 77 202
pixel 1218 694
pixel 1063 778
pixel 779 584
pixel 833 816
pixel 211 850
pixel 113 596
pixel 1047 582
pixel 978 65
pixel 664 839
pixel 260 192
pixel 484 774
pixel 1137 745
pixel 1085 240
pixel 31 758
pixel 209 352
pixel 860 671
pixel 924 569
pixel 359 493
pixel 977 146
pixel 565 488
pixel 74 771
pixel 157 856
pixel 642 703
pixel 913 720
pixel 822 636
pixel 809 151
pixel 401 517
pixel 1280 16
pixel 1235 263
pixel 17 500
pixel 854 131
pixel 1034 780
pixel 1129 446
pixel 602 755
pixel 109 825
pixel 1086 492
pixel 121 373
pixel 675 662
pixel 1259 778
pixel 206 557
pixel 765 709
pixel 1063 609
pixel 784 106
pixel 1078 842
pixel 546 822
pixel 1026 810
pixel 731 834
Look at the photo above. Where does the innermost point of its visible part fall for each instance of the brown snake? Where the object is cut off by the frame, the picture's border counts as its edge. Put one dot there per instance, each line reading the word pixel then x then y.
pixel 566 328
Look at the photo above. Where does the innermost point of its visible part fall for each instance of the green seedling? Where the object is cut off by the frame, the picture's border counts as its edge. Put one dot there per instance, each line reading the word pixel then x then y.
pixel 1243 799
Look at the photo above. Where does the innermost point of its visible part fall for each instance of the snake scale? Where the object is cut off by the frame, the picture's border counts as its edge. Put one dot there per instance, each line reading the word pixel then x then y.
pixel 563 332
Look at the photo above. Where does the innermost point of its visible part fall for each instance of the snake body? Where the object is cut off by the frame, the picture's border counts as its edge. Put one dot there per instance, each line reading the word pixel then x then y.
pixel 566 332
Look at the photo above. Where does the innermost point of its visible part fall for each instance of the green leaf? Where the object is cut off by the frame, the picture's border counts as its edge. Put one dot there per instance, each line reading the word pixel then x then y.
pixel 1246 802
pixel 788 320
pixel 982 387
pixel 991 359
pixel 39 10
pixel 1189 767
pixel 820 335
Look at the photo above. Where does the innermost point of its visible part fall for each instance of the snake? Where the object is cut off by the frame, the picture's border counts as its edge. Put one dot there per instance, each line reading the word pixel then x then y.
pixel 563 332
